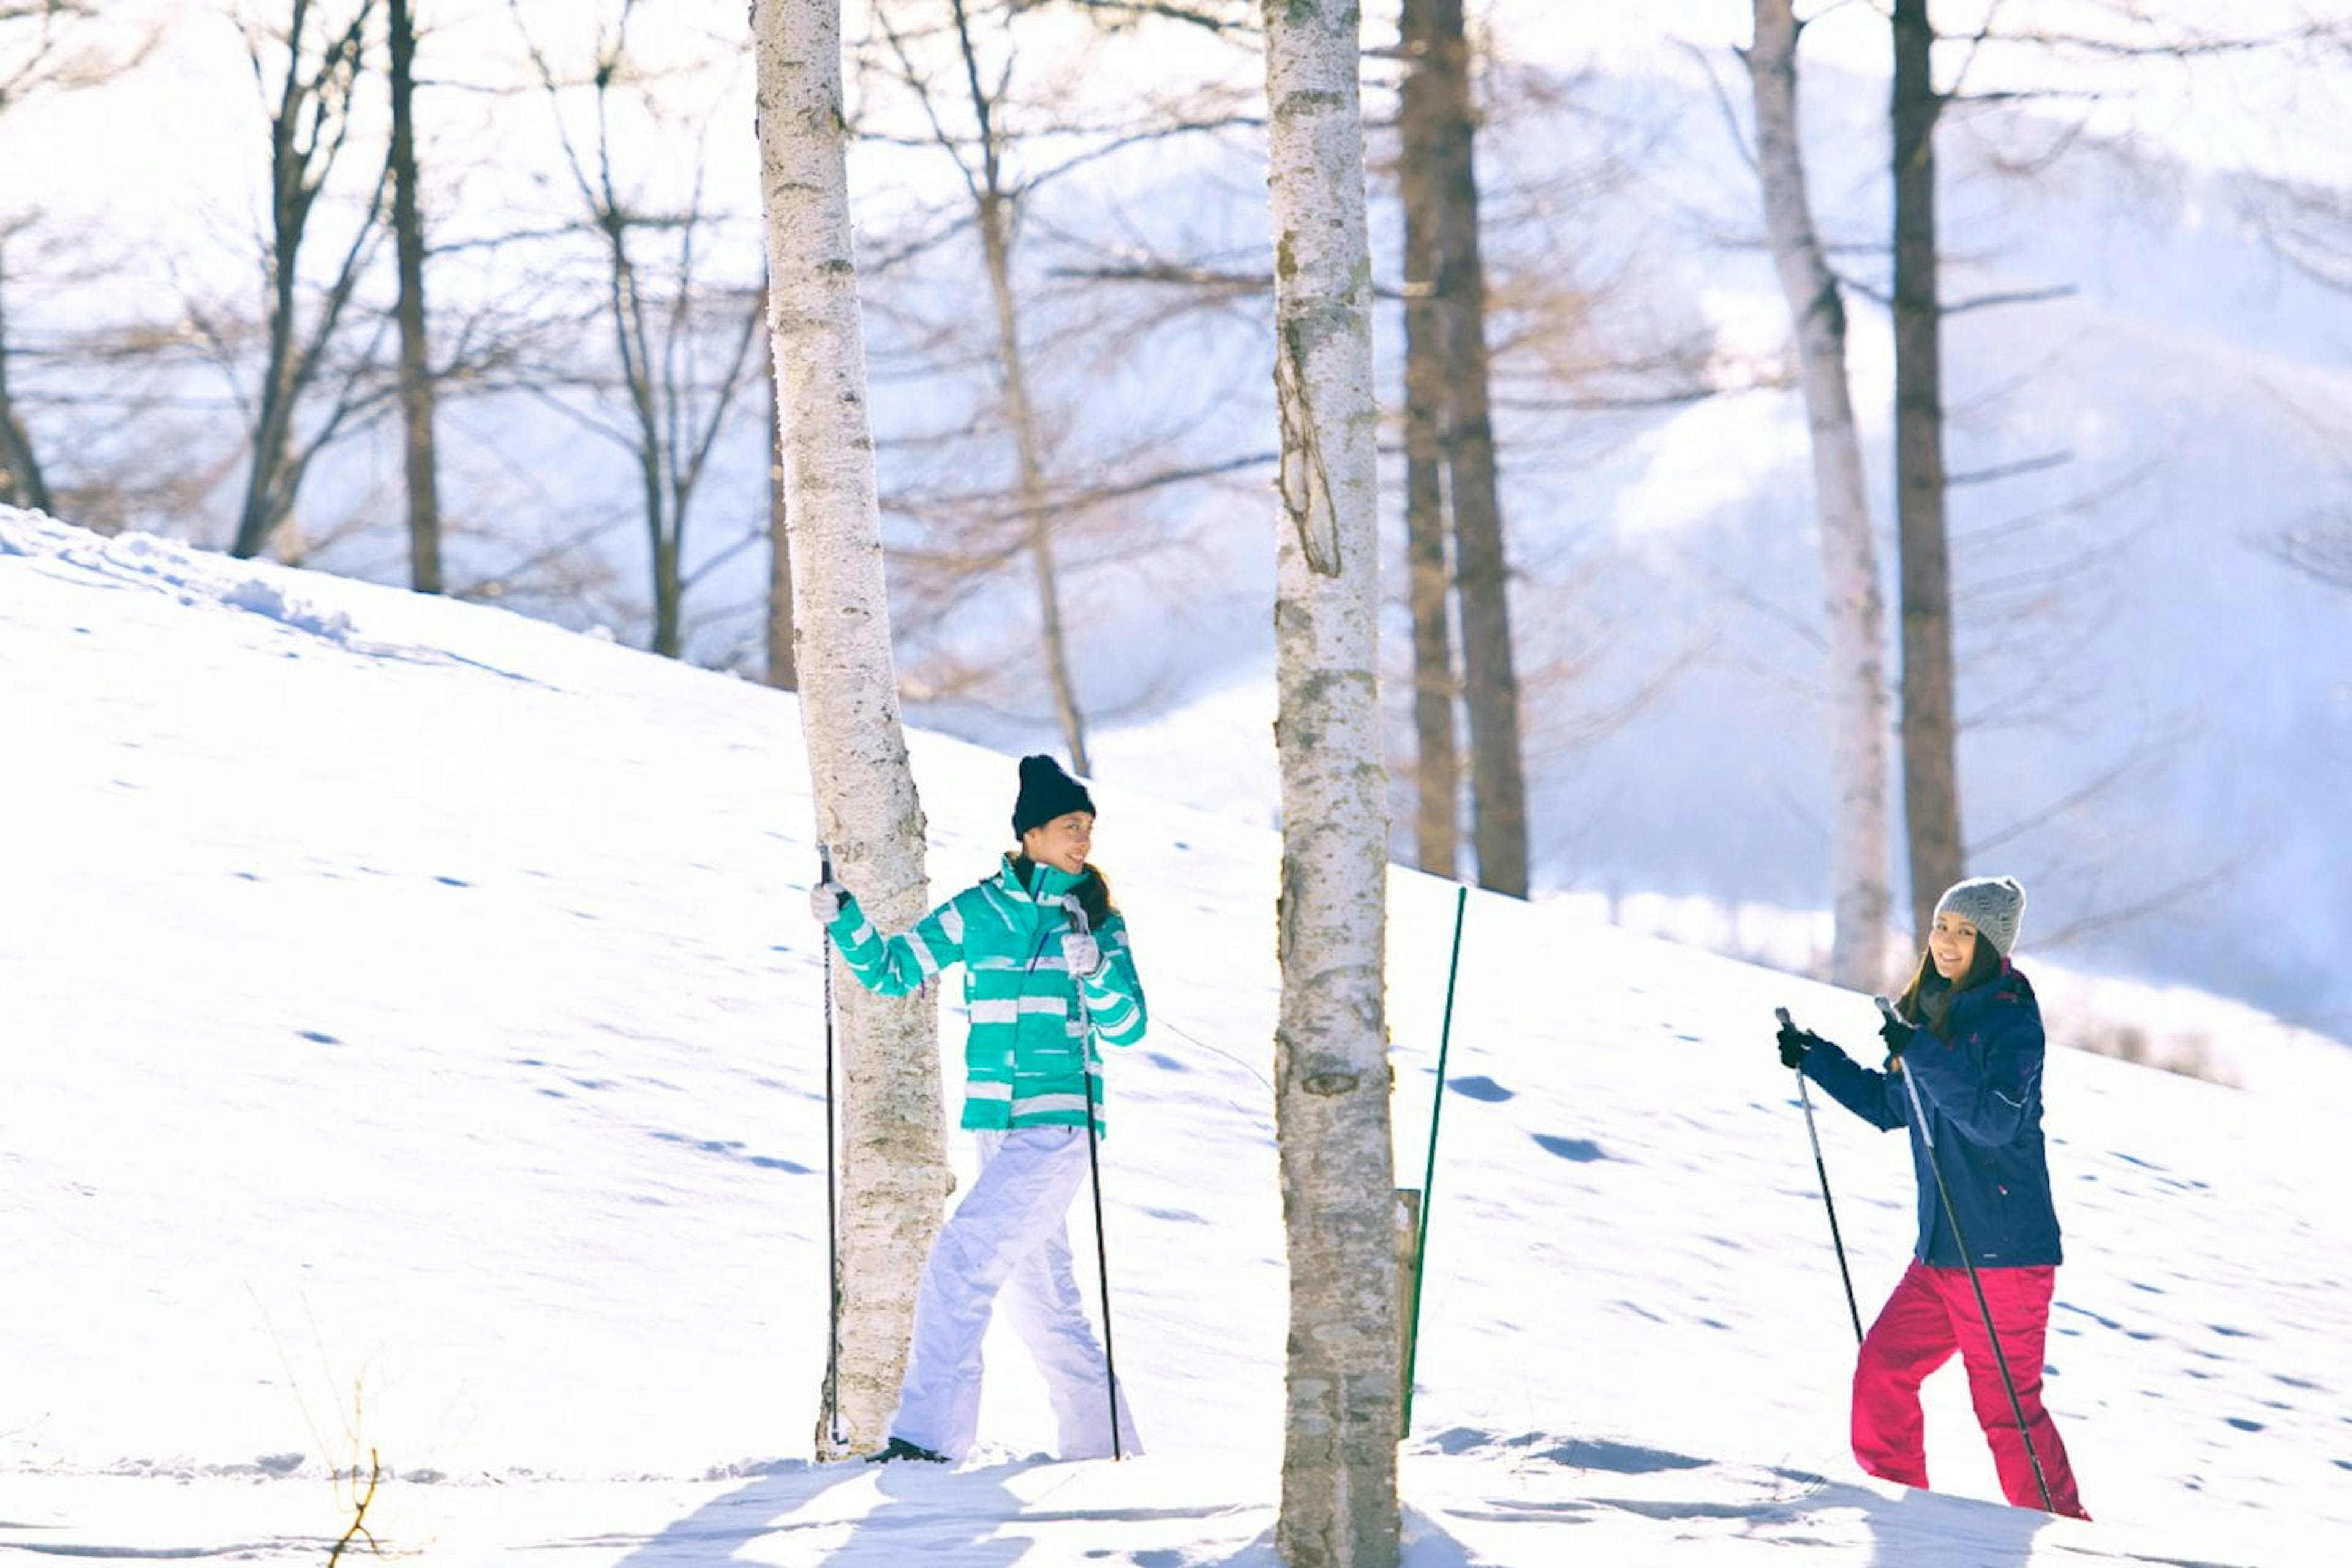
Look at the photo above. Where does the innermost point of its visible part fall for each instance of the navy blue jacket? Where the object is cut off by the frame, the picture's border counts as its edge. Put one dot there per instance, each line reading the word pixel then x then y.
pixel 1981 1079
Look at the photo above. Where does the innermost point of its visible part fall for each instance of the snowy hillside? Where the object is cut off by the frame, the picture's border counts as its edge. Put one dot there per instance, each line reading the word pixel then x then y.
pixel 413 1044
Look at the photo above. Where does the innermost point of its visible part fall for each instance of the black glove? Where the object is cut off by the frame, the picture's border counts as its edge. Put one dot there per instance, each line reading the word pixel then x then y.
pixel 1794 1044
pixel 1898 1035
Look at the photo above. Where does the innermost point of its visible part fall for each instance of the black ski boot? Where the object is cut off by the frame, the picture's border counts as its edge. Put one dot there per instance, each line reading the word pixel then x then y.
pixel 900 1448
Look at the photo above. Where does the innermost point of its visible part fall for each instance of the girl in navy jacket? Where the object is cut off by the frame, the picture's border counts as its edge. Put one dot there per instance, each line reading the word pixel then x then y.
pixel 1971 1040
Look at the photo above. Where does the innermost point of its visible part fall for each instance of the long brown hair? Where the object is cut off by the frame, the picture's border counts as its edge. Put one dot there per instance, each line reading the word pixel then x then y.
pixel 1093 888
pixel 1985 968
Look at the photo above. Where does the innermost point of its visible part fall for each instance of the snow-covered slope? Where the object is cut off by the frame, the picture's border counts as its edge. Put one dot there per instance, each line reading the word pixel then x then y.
pixel 413 1044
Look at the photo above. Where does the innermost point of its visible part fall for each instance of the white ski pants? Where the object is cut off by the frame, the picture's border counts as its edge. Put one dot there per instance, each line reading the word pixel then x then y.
pixel 1011 1235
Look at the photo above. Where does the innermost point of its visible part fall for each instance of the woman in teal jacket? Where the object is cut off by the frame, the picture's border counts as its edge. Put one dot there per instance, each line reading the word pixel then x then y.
pixel 1048 972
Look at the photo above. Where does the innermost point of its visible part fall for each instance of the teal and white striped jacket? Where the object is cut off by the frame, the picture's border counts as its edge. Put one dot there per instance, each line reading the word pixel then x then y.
pixel 1030 1052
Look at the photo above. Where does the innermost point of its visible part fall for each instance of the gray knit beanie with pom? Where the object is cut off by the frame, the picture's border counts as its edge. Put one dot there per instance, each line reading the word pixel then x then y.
pixel 1994 905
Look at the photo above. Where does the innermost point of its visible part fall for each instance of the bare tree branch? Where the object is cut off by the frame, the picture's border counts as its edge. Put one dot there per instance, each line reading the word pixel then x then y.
pixel 1999 471
pixel 2010 297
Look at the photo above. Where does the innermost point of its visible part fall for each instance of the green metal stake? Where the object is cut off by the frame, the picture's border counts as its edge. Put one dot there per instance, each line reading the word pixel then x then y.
pixel 1429 1176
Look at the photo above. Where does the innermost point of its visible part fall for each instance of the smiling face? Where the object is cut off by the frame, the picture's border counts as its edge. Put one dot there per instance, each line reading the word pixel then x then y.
pixel 1953 945
pixel 1063 843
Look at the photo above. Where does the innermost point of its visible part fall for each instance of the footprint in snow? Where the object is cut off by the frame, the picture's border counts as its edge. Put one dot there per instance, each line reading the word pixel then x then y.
pixel 2102 1319
pixel 1461 1439
pixel 728 1149
pixel 1581 1151
pixel 1618 1459
pixel 1481 1088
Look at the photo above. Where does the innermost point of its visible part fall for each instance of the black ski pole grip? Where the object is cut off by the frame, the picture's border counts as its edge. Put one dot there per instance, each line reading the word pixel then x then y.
pixel 1782 1014
pixel 1886 1010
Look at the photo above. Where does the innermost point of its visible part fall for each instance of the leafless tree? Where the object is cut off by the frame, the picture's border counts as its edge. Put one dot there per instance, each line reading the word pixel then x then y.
pixel 45 45
pixel 955 76
pixel 1575 340
pixel 310 68
pixel 420 459
pixel 2108 33
pixel 981 157
pixel 1343 1417
pixel 1429 573
pixel 896 1174
pixel 1440 128
pixel 682 346
pixel 2310 224
pixel 21 481
pixel 1853 611
pixel 51 43
pixel 1931 805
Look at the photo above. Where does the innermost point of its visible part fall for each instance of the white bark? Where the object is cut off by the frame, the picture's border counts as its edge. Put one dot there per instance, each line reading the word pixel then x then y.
pixel 1861 852
pixel 892 1145
pixel 1339 1473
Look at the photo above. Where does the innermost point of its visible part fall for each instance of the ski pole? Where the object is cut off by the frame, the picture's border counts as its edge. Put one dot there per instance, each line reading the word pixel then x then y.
pixel 1928 1136
pixel 1077 914
pixel 1805 1099
pixel 832 1200
pixel 1429 1175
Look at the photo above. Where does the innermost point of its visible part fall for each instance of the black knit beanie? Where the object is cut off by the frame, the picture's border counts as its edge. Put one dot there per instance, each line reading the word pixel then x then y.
pixel 1047 793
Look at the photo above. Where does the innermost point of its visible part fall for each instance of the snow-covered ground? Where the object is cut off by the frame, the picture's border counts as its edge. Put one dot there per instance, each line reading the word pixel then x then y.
pixel 411 1042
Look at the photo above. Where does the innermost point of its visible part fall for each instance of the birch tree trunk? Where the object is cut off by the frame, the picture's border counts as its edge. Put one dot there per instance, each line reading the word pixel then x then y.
pixel 1856 613
pixel 1931 794
pixel 893 1166
pixel 1331 1097
pixel 1490 682
pixel 1437 769
pixel 416 391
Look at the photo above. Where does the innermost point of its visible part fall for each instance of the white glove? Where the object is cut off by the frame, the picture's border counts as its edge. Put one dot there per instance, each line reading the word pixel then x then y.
pixel 1082 954
pixel 826 901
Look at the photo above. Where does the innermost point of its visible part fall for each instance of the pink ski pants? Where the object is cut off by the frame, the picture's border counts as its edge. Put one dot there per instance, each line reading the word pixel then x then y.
pixel 1933 1313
